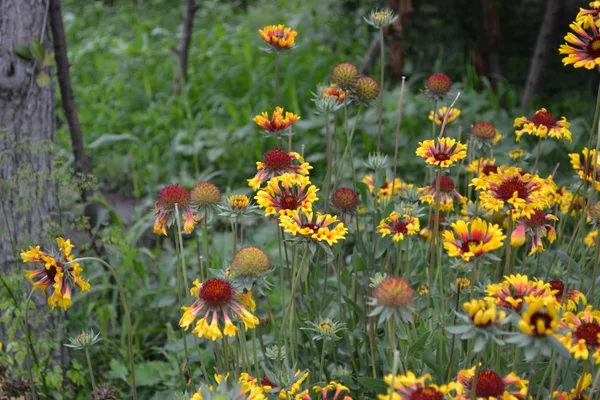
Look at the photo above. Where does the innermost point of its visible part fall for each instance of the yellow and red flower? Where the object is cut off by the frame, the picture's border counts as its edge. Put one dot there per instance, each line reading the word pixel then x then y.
pixel 334 388
pixel 517 290
pixel 278 162
pixel 168 197
pixel 540 319
pixel 482 166
pixel 486 132
pixel 439 116
pixel 393 296
pixel 56 271
pixel 490 385
pixel 216 301
pixel 573 298
pixel 387 191
pixel 543 124
pixel 587 169
pixel 278 37
pixel 399 225
pixel 519 193
pixel 582 384
pixel 409 387
pixel 483 313
pixel 582 15
pixel 446 193
pixel 442 154
pixel 438 86
pixel 278 123
pixel 286 193
pixel 323 227
pixel 581 333
pixel 537 228
pixel 473 239
pixel 585 49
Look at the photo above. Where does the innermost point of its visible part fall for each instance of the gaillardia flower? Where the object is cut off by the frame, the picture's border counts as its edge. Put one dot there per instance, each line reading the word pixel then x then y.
pixel 485 131
pixel 587 170
pixel 286 193
pixel 393 297
pixel 366 89
pixel 399 225
pixel 205 195
pixel 581 333
pixel 56 272
pixel 445 195
pixel 216 301
pixel 519 193
pixel 438 86
pixel 490 385
pixel 442 154
pixel 517 290
pixel 440 114
pixel 572 298
pixel 278 162
pixel 516 154
pixel 540 319
pixel 582 384
pixel 480 324
pixel 543 124
pixel 483 313
pixel 582 15
pixel 483 166
pixel 536 226
pixel 345 200
pixel 473 239
pixel 381 18
pixel 323 227
pixel 250 261
pixel 247 388
pixel 585 49
pixel 330 98
pixel 334 388
pixel 165 209
pixel 345 76
pixel 278 37
pixel 409 387
pixel 278 124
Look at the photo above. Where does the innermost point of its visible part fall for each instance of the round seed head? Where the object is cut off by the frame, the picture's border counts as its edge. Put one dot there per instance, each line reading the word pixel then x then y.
pixel 250 261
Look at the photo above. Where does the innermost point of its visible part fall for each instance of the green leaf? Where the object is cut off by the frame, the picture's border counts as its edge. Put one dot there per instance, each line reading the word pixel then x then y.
pixel 108 139
pixel 118 370
pixel 48 60
pixel 458 329
pixel 373 384
pixel 23 52
pixel 358 263
pixel 43 79
pixel 37 50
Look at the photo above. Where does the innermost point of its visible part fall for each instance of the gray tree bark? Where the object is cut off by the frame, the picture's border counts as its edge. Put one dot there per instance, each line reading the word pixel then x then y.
pixel 27 134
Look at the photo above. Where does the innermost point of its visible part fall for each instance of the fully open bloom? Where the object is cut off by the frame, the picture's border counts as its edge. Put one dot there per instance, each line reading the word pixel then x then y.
pixel 445 195
pixel 540 318
pixel 278 37
pixel 543 124
pixel 323 227
pixel 286 193
pixel 473 239
pixel 581 333
pixel 585 49
pixel 537 227
pixel 218 302
pixel 409 387
pixel 517 290
pixel 55 272
pixel 439 116
pixel 399 225
pixel 168 197
pixel 490 385
pixel 278 123
pixel 586 169
pixel 278 162
pixel 576 393
pixel 519 193
pixel 442 154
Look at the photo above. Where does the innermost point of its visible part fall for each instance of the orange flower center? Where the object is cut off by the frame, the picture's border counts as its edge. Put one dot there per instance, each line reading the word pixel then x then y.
pixel 589 332
pixel 506 189
pixel 593 48
pixel 544 118
pixel 277 160
pixel 216 292
pixel 289 203
pixel 489 384
pixel 427 393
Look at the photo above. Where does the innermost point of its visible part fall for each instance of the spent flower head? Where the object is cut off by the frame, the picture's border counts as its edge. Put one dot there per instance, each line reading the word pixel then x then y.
pixel 278 162
pixel 366 90
pixel 169 197
pixel 438 86
pixel 393 297
pixel 345 76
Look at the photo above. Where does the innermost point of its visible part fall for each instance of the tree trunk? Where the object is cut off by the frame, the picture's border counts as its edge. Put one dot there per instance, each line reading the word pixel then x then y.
pixel 402 8
pixel 542 48
pixel 487 58
pixel 27 133
pixel 183 51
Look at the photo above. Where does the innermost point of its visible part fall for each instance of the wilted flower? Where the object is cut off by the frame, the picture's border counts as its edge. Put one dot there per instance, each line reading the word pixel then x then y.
pixel 442 154
pixel 516 154
pixel 393 297
pixel 543 124
pixel 473 239
pixel 57 271
pixel 345 200
pixel 278 124
pixel 438 86
pixel 278 162
pixel 381 18
pixel 345 76
pixel 439 116
pixel 366 89
pixel 168 197
pixel 484 131
pixel 216 299
pixel 278 37
pixel 250 261
pixel 483 166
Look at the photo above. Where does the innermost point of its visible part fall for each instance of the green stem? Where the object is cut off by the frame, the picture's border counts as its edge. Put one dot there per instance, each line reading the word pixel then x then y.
pixel 89 363
pixel 537 154
pixel 29 346
pixel 474 384
pixel 255 353
pixel 127 316
pixel 329 161
pixel 180 249
pixel 13 246
pixel 322 363
pixel 348 145
pixel 397 134
pixel 381 72
pixel 531 376
pixel 206 259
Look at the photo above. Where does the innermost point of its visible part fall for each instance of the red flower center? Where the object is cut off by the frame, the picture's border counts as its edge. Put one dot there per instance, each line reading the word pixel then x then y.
pixel 593 48
pixel 51 273
pixel 314 227
pixel 466 246
pixel 544 118
pixel 289 203
pixel 400 227
pixel 538 316
pixel 426 393
pixel 489 169
pixel 538 219
pixel 267 382
pixel 216 292
pixel 277 160
pixel 174 194
pixel 446 184
pixel 441 156
pixel 589 332
pixel 557 285
pixel 506 189
pixel 489 384
pixel 345 199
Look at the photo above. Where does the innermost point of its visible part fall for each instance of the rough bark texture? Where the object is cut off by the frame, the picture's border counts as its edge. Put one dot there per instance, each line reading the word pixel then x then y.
pixel 189 9
pixel 27 133
pixel 542 49
pixel 402 8
pixel 487 58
